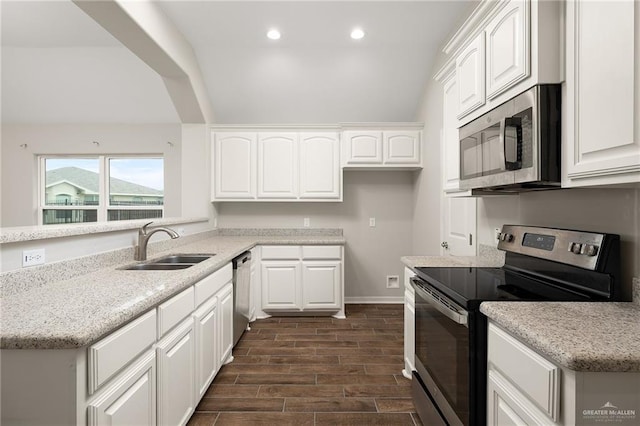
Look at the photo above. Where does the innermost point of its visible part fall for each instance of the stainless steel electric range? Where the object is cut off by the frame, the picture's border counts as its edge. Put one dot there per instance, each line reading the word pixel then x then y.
pixel 541 264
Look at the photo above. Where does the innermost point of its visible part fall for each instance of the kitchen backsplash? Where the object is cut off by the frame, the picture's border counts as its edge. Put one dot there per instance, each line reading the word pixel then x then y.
pixel 490 252
pixel 285 232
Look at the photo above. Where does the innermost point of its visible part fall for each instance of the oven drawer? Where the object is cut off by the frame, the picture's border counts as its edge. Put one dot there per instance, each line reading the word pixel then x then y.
pixel 537 378
pixel 425 407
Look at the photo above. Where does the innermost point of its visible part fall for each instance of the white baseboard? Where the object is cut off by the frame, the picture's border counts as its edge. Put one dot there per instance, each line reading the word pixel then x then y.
pixel 375 299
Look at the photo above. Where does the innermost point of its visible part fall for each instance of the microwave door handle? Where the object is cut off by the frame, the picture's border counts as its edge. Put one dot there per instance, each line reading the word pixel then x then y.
pixel 512 145
pixel 503 152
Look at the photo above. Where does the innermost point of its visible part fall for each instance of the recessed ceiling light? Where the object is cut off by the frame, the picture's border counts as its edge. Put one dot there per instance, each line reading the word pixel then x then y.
pixel 357 34
pixel 273 34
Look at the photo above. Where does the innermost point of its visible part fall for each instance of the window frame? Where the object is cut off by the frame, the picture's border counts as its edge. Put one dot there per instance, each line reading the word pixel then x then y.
pixel 104 200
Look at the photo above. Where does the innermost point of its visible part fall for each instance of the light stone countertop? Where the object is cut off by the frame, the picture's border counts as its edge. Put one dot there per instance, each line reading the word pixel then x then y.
pixel 42 232
pixel 451 261
pixel 79 311
pixel 582 336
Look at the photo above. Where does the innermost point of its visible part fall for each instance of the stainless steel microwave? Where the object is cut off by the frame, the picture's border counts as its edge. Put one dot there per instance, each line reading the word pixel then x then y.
pixel 514 147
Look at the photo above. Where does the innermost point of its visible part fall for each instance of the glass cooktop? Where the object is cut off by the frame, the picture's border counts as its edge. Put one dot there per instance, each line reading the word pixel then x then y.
pixel 470 286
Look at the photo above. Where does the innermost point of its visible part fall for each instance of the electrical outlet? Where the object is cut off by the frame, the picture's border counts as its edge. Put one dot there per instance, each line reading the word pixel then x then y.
pixel 32 257
pixel 372 222
pixel 306 222
pixel 393 281
pixel 215 222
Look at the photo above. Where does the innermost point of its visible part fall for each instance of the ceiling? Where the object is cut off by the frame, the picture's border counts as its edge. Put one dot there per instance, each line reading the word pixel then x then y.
pixel 60 66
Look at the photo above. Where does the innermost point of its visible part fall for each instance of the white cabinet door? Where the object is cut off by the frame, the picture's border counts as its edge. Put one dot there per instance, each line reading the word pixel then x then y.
pixel 234 160
pixel 409 324
pixel 281 284
pixel 450 139
pixel 225 321
pixel 602 143
pixel 131 399
pixel 278 165
pixel 459 226
pixel 470 73
pixel 321 284
pixel 506 406
pixel 508 47
pixel 206 335
pixel 401 147
pixel 363 147
pixel 176 372
pixel 320 165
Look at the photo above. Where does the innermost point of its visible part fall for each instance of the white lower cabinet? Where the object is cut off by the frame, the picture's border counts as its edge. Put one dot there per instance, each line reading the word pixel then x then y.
pixel 409 324
pixel 321 284
pixel 131 400
pixel 506 406
pixel 281 284
pixel 206 333
pixel 225 330
pixel 132 376
pixel 307 278
pixel 176 375
pixel 526 388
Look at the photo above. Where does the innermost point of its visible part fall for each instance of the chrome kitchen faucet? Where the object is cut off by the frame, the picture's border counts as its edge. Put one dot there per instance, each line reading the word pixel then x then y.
pixel 143 239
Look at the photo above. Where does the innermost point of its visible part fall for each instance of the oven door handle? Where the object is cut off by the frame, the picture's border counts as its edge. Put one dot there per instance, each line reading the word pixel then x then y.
pixel 442 304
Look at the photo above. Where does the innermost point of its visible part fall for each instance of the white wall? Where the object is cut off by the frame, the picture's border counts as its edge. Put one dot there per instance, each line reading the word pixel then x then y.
pixel 428 184
pixel 370 253
pixel 19 164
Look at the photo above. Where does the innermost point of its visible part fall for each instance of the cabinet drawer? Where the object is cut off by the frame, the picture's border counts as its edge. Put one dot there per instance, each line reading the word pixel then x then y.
pixel 115 351
pixel 280 252
pixel 537 378
pixel 174 310
pixel 208 286
pixel 321 252
pixel 131 399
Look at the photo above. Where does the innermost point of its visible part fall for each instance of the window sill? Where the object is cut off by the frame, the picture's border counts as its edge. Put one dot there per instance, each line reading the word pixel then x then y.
pixel 43 232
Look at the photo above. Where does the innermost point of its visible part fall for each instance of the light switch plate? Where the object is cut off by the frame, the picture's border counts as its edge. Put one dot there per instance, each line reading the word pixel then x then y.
pixel 372 222
pixel 306 222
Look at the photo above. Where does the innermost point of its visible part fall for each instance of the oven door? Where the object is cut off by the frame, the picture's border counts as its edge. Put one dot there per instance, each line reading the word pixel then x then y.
pixel 442 355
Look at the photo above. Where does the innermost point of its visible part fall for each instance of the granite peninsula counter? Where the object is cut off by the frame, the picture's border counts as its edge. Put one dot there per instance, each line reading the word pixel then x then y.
pixel 72 313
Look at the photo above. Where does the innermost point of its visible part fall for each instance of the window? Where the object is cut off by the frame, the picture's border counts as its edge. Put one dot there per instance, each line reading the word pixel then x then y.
pixel 76 189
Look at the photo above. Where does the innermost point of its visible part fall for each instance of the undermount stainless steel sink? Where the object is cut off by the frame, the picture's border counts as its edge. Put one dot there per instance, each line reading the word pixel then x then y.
pixel 170 263
pixel 159 266
pixel 184 258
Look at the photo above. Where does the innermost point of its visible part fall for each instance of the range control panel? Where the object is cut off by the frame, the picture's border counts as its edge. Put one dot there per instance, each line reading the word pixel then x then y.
pixel 577 248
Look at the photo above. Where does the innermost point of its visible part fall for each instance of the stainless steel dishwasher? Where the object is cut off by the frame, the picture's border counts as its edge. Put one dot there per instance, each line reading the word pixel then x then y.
pixel 241 294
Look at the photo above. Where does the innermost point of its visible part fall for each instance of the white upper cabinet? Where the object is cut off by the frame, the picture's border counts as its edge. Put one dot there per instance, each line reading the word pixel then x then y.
pixel 363 147
pixel 450 142
pixel 602 106
pixel 382 149
pixel 320 173
pixel 234 166
pixel 470 73
pixel 278 165
pixel 507 47
pixel 401 147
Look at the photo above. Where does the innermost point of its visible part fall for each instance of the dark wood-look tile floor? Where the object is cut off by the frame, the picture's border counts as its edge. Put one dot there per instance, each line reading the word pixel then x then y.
pixel 315 371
